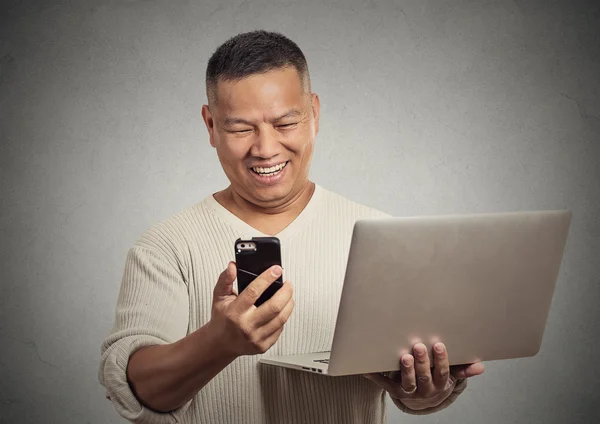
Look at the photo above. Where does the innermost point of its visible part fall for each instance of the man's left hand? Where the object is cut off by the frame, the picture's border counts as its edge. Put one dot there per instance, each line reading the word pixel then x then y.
pixel 419 381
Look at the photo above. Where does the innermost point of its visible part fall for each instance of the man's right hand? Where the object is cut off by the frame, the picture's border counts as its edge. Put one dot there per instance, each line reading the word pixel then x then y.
pixel 245 329
pixel 165 377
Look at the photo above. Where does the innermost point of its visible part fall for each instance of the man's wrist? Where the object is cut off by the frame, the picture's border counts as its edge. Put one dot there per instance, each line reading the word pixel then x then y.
pixel 220 346
pixel 206 343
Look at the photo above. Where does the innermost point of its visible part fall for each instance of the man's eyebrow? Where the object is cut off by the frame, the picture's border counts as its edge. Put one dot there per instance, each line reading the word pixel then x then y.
pixel 288 114
pixel 233 120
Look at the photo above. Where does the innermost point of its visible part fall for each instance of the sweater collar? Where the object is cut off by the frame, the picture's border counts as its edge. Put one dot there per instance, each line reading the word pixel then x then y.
pixel 248 231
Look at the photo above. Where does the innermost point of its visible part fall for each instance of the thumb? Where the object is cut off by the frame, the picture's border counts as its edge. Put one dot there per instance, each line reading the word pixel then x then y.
pixel 468 370
pixel 224 286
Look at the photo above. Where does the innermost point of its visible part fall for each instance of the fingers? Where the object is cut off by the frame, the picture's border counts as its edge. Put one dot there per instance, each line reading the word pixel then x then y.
pixel 275 305
pixel 408 375
pixel 255 289
pixel 418 380
pixel 415 376
pixel 441 366
pixel 399 388
pixel 467 371
pixel 278 321
pixel 224 286
pixel 270 341
pixel 423 369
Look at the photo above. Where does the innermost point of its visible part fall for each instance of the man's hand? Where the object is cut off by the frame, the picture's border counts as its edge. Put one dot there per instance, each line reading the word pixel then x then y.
pixel 246 329
pixel 419 380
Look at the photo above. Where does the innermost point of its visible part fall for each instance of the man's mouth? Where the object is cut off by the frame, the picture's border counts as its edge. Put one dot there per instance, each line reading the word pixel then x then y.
pixel 267 172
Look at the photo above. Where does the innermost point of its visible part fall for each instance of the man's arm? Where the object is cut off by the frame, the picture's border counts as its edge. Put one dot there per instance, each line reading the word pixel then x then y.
pixel 165 377
pixel 152 309
pixel 151 370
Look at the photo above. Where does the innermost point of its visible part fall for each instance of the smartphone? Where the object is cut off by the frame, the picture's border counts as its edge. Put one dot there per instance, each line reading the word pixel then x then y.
pixel 253 257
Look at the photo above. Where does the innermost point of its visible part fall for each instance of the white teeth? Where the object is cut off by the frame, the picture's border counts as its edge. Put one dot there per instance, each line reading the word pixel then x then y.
pixel 270 170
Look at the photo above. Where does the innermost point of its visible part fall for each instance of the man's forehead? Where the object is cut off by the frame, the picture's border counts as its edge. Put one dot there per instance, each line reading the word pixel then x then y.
pixel 270 98
pixel 279 85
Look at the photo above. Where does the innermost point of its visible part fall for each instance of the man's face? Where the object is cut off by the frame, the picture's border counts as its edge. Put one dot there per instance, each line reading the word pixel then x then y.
pixel 263 128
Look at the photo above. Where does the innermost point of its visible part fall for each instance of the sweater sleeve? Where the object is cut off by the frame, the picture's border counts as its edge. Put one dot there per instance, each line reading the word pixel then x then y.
pixel 412 407
pixel 152 309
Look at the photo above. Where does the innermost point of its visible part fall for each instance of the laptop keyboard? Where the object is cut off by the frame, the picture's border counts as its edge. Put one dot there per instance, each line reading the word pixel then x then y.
pixel 322 361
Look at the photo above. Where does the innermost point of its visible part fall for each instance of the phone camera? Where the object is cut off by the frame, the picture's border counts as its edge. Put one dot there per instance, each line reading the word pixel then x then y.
pixel 243 245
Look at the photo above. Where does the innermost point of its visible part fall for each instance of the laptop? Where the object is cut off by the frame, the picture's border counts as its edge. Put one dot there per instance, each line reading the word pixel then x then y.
pixel 482 284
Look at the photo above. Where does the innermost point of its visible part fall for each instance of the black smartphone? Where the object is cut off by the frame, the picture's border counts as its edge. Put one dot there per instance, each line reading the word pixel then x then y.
pixel 253 257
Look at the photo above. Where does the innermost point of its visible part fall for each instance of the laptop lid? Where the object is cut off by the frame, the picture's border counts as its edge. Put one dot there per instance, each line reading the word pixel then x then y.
pixel 482 284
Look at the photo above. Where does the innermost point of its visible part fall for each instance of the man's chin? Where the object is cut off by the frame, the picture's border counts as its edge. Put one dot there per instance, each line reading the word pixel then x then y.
pixel 270 197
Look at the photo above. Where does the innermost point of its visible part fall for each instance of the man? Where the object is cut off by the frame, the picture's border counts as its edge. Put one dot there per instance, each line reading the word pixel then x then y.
pixel 185 349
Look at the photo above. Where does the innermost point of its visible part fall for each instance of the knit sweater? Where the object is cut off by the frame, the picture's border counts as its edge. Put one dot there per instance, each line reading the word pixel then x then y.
pixel 166 294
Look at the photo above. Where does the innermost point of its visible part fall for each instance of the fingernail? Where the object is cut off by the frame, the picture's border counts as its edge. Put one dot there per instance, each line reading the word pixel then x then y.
pixel 439 348
pixel 407 362
pixel 420 350
pixel 276 271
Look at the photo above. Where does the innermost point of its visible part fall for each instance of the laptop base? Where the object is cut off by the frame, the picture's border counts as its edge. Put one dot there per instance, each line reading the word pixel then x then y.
pixel 317 362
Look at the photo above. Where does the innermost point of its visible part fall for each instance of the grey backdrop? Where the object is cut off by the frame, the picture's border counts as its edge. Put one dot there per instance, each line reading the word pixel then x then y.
pixel 427 108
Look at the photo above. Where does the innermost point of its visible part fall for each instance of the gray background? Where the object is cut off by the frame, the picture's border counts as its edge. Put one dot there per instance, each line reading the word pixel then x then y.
pixel 427 108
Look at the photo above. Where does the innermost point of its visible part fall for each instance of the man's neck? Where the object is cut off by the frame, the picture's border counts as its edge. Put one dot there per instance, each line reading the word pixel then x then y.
pixel 270 221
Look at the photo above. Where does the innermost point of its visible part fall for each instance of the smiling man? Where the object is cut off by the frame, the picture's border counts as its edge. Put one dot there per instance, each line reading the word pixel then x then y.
pixel 185 346
pixel 263 127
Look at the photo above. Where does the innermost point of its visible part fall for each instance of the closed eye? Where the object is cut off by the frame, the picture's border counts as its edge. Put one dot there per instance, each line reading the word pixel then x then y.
pixel 290 125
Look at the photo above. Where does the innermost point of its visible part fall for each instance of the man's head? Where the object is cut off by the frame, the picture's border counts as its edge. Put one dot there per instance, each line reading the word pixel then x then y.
pixel 261 116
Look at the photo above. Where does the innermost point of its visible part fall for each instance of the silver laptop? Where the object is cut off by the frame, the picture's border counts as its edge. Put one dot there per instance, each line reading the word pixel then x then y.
pixel 482 284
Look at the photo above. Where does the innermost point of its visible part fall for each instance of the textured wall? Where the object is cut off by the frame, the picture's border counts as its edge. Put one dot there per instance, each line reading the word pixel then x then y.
pixel 427 107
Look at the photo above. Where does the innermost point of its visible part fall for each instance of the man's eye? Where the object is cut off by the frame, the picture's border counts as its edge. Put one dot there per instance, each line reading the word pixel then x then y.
pixel 241 131
pixel 287 125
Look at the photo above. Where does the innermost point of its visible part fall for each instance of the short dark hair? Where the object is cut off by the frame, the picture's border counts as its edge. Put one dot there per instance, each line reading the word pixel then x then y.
pixel 250 53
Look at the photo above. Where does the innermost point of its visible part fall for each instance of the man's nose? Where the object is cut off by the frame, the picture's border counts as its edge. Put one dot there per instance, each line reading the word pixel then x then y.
pixel 266 144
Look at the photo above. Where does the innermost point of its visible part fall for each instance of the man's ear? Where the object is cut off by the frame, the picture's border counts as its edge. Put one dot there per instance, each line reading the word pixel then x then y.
pixel 210 124
pixel 316 109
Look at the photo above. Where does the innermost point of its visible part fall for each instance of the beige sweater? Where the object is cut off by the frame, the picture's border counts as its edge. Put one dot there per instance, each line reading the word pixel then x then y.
pixel 166 293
